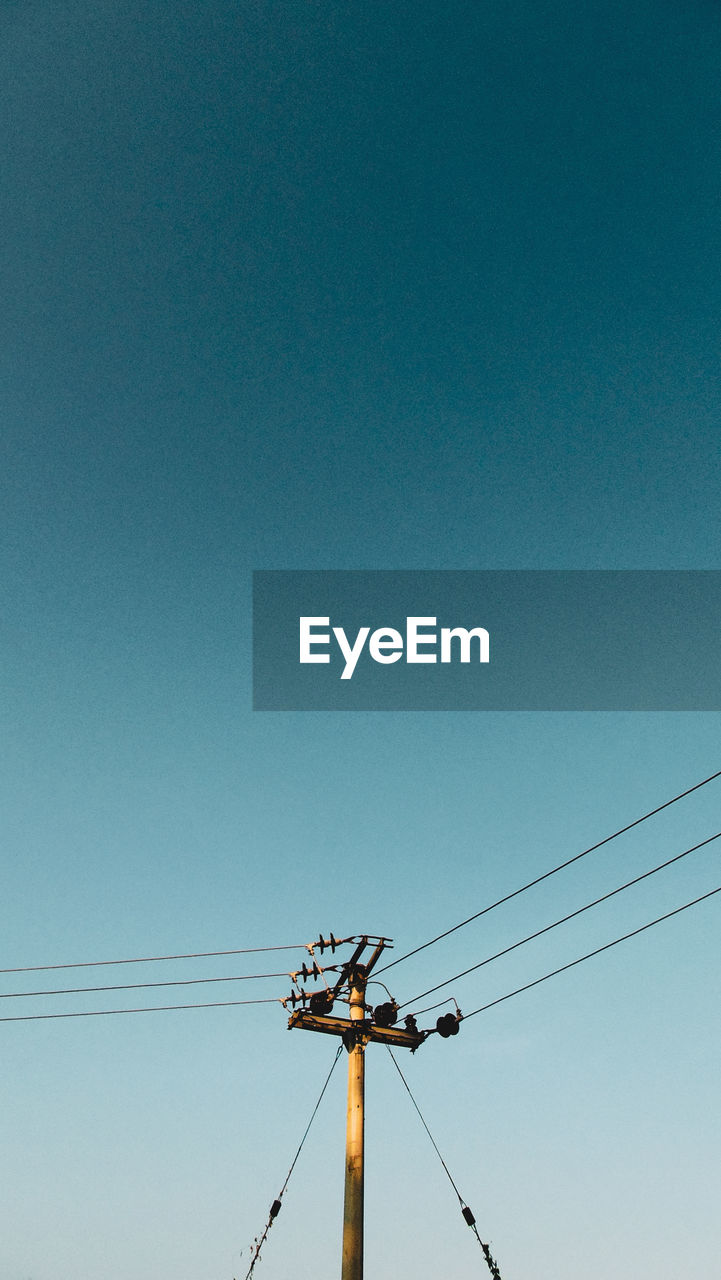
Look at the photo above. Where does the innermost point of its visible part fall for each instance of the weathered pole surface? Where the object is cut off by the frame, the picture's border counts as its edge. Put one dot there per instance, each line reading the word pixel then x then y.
pixel 353 1203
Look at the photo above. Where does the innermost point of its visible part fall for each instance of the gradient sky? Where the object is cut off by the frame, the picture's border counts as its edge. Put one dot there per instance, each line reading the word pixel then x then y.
pixel 325 286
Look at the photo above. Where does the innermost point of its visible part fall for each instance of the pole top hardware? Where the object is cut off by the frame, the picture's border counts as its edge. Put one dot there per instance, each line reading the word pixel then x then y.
pixel 361 1030
pixel 314 1014
pixel 365 1025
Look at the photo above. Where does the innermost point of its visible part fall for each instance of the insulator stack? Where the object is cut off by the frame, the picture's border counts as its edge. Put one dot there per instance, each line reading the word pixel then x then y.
pixel 321 944
pixel 447 1025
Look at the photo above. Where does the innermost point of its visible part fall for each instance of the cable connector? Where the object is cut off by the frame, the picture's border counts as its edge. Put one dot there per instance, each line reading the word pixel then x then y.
pixel 492 1267
pixel 257 1244
pixel 467 1212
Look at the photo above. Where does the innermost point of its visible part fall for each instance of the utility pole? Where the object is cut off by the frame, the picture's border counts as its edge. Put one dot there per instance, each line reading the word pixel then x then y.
pixel 356 1031
pixel 354 1138
pixel 365 1024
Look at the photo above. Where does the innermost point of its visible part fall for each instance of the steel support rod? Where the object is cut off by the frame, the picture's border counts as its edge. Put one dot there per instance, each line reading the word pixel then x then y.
pixel 353 1203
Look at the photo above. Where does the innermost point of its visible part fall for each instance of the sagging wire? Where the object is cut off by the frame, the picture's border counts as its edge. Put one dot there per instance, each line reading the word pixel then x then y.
pixel 138 986
pixel 187 955
pixel 465 1208
pixel 151 1008
pixel 554 871
pixel 596 952
pixel 276 1205
pixel 531 937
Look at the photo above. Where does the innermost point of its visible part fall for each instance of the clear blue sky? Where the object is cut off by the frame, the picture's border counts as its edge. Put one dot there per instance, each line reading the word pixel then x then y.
pixel 314 285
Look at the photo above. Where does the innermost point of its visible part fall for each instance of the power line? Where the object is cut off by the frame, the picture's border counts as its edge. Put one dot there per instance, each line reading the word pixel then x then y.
pixel 554 871
pixel 589 954
pixel 276 1205
pixel 564 920
pixel 189 955
pixel 465 1209
pixel 160 1008
pixel 138 986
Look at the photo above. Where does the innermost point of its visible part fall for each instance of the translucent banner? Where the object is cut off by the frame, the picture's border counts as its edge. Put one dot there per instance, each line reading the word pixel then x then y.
pixel 487 640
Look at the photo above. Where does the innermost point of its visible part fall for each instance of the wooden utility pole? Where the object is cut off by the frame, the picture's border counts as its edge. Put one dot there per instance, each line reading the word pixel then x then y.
pixel 355 1123
pixel 357 1031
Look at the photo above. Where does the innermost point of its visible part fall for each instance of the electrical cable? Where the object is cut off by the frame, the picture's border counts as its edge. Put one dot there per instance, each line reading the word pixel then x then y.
pixel 158 1008
pixel 624 938
pixel 554 871
pixel 564 920
pixel 430 1007
pixel 276 1205
pixel 465 1208
pixel 374 981
pixel 190 955
pixel 138 986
